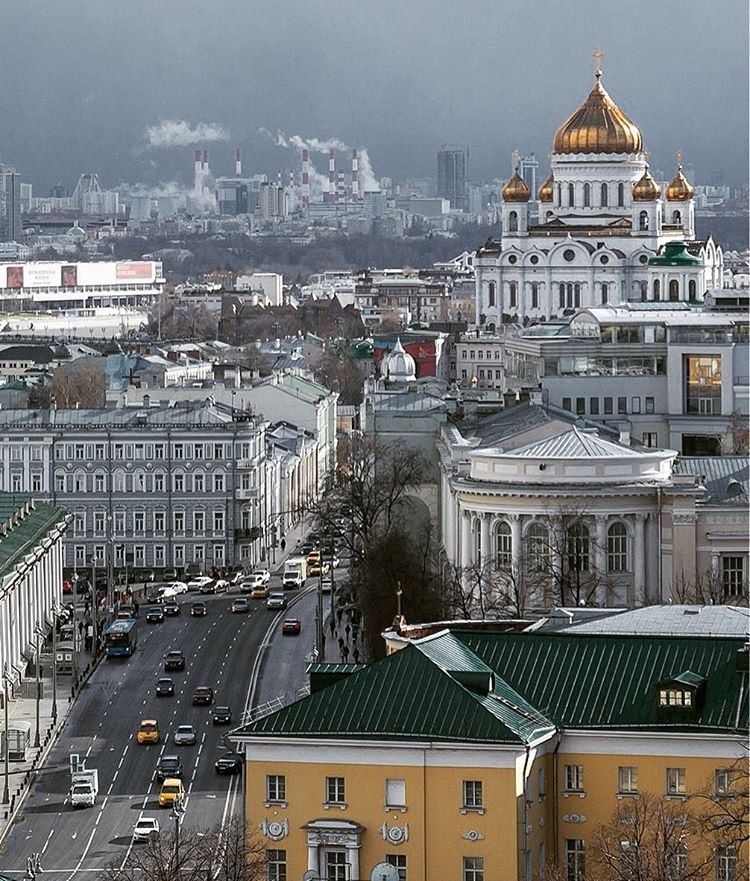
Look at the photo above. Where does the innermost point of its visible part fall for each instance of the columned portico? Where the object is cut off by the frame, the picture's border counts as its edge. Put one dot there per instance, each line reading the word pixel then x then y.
pixel 334 843
pixel 639 559
pixel 600 558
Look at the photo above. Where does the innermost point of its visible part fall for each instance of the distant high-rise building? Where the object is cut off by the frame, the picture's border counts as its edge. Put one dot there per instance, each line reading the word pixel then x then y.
pixel 452 164
pixel 11 229
pixel 527 168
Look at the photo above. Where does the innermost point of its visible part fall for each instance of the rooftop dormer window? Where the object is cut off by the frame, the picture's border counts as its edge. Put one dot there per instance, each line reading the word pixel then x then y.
pixel 680 697
pixel 675 697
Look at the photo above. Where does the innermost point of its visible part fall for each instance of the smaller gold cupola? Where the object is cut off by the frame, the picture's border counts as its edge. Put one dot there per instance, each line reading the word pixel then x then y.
pixel 546 192
pixel 646 189
pixel 516 190
pixel 679 189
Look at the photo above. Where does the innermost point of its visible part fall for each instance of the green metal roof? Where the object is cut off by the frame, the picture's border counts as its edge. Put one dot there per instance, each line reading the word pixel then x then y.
pixel 489 687
pixel 406 696
pixel 598 681
pixel 675 254
pixel 27 532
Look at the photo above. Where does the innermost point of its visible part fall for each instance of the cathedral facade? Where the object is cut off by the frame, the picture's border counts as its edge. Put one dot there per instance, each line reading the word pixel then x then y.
pixel 605 234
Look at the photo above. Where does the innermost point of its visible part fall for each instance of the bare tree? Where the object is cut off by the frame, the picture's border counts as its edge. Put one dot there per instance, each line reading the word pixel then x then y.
pixel 737 437
pixel 221 854
pixel 81 383
pixel 338 372
pixel 191 321
pixel 724 807
pixel 705 588
pixel 652 839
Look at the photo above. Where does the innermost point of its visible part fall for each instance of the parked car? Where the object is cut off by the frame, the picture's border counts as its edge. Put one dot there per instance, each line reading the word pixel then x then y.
pixel 174 660
pixel 221 585
pixel 237 577
pixel 165 686
pixel 171 608
pixel 184 736
pixel 169 574
pixel 198 610
pixel 208 586
pixel 291 627
pixel 198 582
pixel 221 715
pixel 228 763
pixel 276 601
pixel 240 605
pixel 203 695
pixel 263 574
pixel 177 586
pixel 145 828
pixel 168 766
pixel 155 615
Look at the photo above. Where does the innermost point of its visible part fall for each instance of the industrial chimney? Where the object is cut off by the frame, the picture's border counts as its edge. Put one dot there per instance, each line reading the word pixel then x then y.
pixel 355 178
pixel 331 176
pixel 238 163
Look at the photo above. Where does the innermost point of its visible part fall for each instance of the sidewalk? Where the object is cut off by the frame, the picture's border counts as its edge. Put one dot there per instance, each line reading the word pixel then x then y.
pixel 23 709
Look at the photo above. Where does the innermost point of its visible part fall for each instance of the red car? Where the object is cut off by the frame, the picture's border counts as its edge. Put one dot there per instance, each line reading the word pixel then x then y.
pixel 291 627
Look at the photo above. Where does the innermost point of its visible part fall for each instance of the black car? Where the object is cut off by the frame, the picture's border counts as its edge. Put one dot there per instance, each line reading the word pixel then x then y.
pixel 222 715
pixel 155 594
pixel 174 660
pixel 171 608
pixel 228 763
pixel 198 610
pixel 165 686
pixel 169 766
pixel 203 695
pixel 155 615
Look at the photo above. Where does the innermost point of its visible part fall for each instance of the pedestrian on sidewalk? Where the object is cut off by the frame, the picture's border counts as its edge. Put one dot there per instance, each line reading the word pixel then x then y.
pixel 341 643
pixel 345 653
pixel 347 630
pixel 355 655
pixel 339 613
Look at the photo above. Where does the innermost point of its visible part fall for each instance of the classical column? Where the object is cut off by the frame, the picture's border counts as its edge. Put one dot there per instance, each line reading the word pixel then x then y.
pixel 639 561
pixel 312 856
pixel 514 521
pixel 600 559
pixel 352 857
pixel 486 543
pixel 465 549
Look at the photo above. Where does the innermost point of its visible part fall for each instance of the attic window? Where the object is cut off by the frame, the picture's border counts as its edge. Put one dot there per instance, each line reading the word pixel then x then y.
pixel 675 697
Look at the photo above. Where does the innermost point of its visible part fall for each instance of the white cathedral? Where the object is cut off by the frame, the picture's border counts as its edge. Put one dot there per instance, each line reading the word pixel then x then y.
pixel 605 234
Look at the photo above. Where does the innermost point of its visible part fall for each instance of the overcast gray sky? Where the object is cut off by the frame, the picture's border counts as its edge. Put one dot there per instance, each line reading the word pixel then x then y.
pixel 82 80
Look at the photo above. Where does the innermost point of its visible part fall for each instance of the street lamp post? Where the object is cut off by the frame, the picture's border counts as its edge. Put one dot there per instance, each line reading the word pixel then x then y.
pixel 75 628
pixel 94 610
pixel 54 664
pixel 6 750
pixel 178 810
pixel 38 633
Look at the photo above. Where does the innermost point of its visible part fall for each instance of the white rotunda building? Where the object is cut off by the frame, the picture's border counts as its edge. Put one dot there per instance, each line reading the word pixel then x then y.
pixel 606 232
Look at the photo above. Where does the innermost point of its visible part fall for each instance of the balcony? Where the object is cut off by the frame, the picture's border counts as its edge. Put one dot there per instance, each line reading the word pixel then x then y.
pixel 245 463
pixel 243 494
pixel 250 533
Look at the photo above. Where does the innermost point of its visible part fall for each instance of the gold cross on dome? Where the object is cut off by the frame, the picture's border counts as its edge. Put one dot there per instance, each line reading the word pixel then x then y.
pixel 597 55
pixel 516 157
pixel 679 155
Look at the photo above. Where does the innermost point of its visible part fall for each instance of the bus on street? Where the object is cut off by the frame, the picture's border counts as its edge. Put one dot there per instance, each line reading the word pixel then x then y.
pixel 121 638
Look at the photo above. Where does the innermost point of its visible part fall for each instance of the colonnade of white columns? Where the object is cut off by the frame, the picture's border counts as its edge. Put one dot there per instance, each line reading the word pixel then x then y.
pixel 474 520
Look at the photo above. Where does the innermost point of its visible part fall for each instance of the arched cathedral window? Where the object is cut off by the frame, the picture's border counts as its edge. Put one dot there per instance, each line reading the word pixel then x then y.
pixel 604 196
pixel 587 195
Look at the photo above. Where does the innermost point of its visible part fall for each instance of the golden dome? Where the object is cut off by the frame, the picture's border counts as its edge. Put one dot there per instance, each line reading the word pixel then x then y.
pixel 679 189
pixel 598 126
pixel 646 189
pixel 546 193
pixel 516 190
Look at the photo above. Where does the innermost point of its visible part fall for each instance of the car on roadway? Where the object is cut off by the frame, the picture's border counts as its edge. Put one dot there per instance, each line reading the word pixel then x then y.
pixel 276 601
pixel 314 570
pixel 199 582
pixel 177 586
pixel 148 731
pixel 171 791
pixel 168 766
pixel 156 593
pixel 291 627
pixel 155 615
pixel 237 577
pixel 171 608
pixel 174 660
pixel 221 715
pixel 221 585
pixel 198 610
pixel 259 592
pixel 203 695
pixel 228 763
pixel 145 828
pixel 313 557
pixel 184 736
pixel 240 605
pixel 263 574
pixel 126 611
pixel 165 686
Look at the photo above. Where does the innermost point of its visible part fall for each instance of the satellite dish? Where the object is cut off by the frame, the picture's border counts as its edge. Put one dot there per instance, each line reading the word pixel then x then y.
pixel 384 872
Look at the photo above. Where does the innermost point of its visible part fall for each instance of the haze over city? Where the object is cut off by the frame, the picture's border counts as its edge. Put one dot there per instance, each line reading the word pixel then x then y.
pixel 90 85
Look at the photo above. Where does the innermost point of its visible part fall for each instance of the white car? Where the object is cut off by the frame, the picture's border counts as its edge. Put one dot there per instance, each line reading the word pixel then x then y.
pixel 177 586
pixel 199 582
pixel 263 574
pixel 145 828
pixel 221 584
pixel 184 736
pixel 238 577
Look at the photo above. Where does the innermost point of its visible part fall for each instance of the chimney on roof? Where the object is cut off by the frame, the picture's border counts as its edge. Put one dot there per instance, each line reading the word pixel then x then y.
pixel 624 437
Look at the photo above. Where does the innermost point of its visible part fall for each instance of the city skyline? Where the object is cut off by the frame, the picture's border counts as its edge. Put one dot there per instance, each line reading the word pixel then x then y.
pixel 399 86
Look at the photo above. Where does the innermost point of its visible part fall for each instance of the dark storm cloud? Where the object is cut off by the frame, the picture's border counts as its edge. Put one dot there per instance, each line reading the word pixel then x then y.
pixel 84 80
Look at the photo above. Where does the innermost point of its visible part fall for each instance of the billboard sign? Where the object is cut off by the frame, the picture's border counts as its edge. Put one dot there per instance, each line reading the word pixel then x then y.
pixel 135 271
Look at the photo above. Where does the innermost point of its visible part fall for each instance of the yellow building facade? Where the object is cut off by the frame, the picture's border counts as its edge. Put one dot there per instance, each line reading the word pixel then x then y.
pixel 432 763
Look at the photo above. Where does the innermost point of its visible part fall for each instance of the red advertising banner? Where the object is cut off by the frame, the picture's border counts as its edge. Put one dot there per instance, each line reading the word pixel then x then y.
pixel 134 271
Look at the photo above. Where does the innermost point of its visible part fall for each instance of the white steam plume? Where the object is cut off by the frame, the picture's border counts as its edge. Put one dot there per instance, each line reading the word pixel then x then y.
pixel 179 133
pixel 366 176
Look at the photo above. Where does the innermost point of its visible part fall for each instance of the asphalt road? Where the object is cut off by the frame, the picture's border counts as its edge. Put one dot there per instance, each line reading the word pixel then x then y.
pixel 221 651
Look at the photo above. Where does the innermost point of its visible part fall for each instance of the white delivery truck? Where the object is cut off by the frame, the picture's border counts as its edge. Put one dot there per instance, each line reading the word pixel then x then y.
pixel 84 788
pixel 295 572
